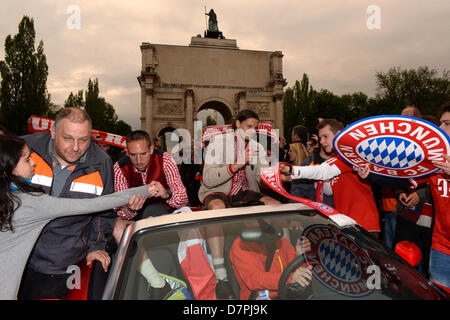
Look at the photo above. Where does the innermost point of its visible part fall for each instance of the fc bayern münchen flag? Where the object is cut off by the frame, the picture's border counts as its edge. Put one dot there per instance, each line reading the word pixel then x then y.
pixel 393 146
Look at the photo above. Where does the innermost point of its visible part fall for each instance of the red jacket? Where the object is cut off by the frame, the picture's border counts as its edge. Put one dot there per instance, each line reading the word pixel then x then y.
pixel 249 265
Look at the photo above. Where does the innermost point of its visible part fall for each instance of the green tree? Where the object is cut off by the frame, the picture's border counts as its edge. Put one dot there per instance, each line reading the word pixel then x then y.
pixel 1 115
pixel 210 121
pixel 351 107
pixel 24 78
pixel 421 87
pixel 396 89
pixel 53 110
pixel 288 111
pixel 102 113
pixel 122 128
pixel 298 104
pixel 75 100
pixel 304 105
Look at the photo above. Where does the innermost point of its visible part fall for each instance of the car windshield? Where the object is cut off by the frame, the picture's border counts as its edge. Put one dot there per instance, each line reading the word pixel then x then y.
pixel 346 263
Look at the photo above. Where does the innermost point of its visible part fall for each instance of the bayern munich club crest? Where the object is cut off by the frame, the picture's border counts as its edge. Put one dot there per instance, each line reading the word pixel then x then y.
pixel 337 262
pixel 394 146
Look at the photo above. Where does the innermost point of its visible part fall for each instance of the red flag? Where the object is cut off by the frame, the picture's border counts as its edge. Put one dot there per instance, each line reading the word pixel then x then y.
pixel 41 124
pixel 196 266
pixel 271 177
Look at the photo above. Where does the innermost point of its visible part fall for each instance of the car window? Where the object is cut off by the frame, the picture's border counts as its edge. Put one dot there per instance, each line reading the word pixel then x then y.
pixel 345 263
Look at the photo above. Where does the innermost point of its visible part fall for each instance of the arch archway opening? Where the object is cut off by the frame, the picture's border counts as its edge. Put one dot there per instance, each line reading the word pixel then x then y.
pixel 214 112
pixel 162 140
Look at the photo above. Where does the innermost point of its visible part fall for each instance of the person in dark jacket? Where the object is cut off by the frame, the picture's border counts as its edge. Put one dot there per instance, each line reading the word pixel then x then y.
pixel 68 165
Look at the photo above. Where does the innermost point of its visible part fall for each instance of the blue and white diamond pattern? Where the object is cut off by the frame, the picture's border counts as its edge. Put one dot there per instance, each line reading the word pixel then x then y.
pixel 391 152
pixel 339 260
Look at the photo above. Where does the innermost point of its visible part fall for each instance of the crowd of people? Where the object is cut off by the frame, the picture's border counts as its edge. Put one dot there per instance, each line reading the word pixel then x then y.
pixel 64 200
pixel 392 209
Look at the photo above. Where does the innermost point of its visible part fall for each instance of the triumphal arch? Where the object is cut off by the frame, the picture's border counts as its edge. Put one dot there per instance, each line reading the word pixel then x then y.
pixel 212 72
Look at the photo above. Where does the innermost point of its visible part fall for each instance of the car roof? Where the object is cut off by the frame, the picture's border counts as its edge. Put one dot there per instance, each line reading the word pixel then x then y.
pixel 183 217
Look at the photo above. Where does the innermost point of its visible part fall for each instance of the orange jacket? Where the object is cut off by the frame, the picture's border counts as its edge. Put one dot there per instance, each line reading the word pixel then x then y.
pixel 249 265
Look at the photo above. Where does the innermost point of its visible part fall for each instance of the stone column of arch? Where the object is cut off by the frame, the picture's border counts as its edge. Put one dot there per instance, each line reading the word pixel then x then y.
pixel 242 100
pixel 189 100
pixel 149 111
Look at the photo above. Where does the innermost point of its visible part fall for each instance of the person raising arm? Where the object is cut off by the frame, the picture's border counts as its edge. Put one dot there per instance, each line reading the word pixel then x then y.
pixel 26 209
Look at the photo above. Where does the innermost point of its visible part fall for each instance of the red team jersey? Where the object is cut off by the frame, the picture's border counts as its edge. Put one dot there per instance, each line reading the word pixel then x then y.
pixel 440 190
pixel 353 196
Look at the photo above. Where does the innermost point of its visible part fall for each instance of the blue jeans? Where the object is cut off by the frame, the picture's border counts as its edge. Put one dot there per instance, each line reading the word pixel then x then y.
pixel 389 228
pixel 440 268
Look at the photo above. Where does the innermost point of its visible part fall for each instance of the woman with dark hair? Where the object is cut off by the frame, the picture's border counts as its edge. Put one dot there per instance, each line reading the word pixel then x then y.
pixel 25 210
pixel 244 115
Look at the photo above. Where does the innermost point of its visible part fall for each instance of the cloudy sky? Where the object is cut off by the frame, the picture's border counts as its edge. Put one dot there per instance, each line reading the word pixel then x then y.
pixel 338 43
